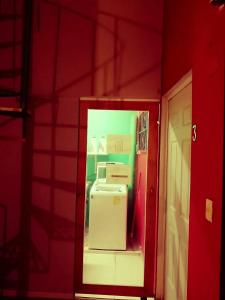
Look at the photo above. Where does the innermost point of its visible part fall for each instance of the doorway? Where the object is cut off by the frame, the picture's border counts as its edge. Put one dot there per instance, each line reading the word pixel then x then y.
pixel 115 208
pixel 115 248
pixel 178 104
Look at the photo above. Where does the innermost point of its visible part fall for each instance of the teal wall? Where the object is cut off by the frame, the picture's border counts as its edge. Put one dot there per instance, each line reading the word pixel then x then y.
pixel 104 122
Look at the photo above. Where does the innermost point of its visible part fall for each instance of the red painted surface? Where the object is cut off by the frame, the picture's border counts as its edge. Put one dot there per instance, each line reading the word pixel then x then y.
pixel 71 57
pixel 69 61
pixel 194 38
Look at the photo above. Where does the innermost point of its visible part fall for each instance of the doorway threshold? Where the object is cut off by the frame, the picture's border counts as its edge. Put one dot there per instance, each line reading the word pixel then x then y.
pixel 96 296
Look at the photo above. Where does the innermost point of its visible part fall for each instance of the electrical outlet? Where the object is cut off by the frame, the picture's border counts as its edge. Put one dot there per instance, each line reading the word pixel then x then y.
pixel 209 210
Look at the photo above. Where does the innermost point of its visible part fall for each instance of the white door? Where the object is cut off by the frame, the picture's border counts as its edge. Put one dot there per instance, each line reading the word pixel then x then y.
pixel 178 194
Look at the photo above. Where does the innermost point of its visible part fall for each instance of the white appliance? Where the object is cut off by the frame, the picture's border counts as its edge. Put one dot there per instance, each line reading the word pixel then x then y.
pixel 102 166
pixel 108 216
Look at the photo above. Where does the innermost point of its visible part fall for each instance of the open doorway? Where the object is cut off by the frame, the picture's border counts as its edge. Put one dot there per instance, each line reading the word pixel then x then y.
pixel 116 190
pixel 116 205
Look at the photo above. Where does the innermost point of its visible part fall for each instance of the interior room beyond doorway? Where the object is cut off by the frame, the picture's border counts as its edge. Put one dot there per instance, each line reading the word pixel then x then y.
pixel 116 177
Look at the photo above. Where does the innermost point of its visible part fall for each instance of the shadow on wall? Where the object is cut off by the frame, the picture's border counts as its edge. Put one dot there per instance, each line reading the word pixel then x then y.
pixel 80 48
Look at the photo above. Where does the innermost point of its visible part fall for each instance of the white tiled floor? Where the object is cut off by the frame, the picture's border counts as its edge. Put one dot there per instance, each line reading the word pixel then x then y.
pixel 114 268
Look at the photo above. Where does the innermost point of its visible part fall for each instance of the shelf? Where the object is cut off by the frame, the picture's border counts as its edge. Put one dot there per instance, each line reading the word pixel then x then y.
pixel 95 153
pixel 13 112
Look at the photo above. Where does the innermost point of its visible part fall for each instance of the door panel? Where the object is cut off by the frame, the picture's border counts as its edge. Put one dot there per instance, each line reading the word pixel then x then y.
pixel 178 194
pixel 185 182
pixel 172 260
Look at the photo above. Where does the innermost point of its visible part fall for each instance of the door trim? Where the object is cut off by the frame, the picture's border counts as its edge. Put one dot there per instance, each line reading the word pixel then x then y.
pixel 161 249
pixel 150 100
pixel 148 289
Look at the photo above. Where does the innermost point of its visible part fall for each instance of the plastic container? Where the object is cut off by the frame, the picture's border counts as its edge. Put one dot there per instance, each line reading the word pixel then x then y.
pixel 102 145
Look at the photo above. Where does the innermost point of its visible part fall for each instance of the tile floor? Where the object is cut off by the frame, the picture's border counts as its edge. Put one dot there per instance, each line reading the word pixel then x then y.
pixel 113 267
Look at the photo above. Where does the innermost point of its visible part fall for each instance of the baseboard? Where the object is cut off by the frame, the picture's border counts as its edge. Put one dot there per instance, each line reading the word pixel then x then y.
pixel 7 293
pixel 95 296
pixel 38 295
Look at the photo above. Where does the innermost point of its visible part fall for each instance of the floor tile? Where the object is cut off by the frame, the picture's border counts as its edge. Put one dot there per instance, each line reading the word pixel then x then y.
pixel 99 268
pixel 129 270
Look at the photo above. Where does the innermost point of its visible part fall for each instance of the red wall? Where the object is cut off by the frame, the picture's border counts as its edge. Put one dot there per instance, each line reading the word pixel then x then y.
pixel 74 53
pixel 127 31
pixel 63 41
pixel 67 63
pixel 194 39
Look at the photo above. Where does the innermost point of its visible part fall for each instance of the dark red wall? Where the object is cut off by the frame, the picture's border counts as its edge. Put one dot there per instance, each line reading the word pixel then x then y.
pixel 62 63
pixel 73 56
pixel 90 66
pixel 79 48
pixel 194 39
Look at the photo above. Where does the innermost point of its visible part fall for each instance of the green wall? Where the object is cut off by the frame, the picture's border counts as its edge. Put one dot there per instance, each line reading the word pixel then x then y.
pixel 104 122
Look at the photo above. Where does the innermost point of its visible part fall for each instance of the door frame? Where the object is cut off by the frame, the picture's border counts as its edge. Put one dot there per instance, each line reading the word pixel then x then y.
pixel 148 289
pixel 162 206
